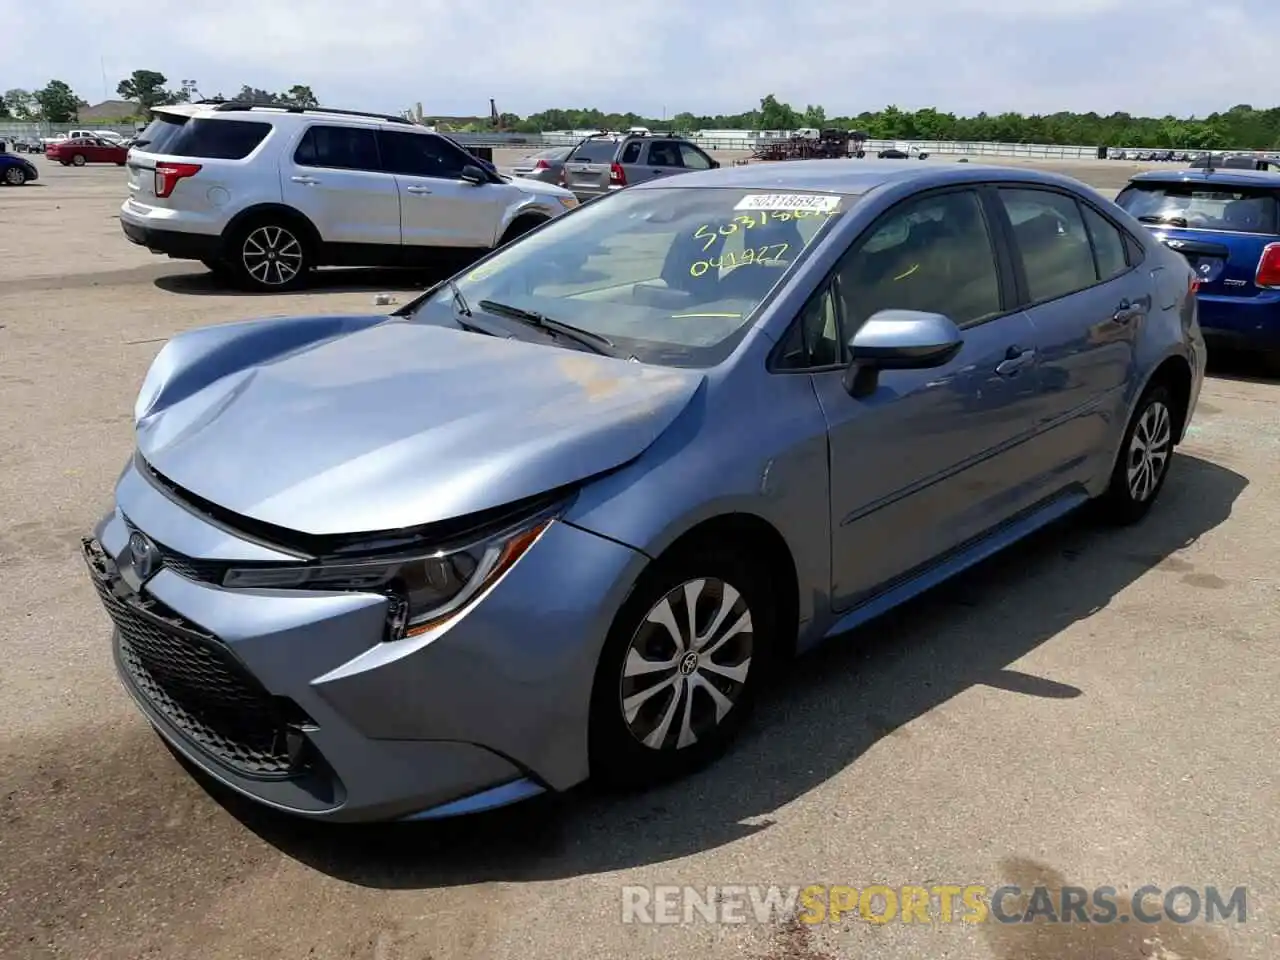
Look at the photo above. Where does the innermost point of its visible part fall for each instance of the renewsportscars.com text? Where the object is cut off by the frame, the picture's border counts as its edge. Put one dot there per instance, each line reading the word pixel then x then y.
pixel 936 903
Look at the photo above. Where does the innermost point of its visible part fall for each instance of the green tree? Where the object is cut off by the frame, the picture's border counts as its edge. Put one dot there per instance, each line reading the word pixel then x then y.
pixel 147 88
pixel 301 95
pixel 20 103
pixel 58 103
pixel 775 115
pixel 250 94
pixel 814 117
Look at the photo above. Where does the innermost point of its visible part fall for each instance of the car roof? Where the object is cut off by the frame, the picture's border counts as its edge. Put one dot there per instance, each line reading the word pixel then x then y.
pixel 1227 176
pixel 854 177
pixel 269 112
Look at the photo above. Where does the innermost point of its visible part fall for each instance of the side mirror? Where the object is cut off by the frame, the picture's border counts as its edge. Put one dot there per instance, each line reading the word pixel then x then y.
pixel 473 175
pixel 898 340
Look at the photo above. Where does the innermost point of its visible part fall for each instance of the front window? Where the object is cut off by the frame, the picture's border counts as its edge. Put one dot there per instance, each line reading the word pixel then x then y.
pixel 1218 207
pixel 670 276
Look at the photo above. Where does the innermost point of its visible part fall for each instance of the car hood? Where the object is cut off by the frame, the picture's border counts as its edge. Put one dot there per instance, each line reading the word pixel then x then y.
pixel 402 424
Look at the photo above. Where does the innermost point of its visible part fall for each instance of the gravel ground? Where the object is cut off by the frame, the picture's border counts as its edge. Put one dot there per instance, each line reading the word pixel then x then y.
pixel 1093 708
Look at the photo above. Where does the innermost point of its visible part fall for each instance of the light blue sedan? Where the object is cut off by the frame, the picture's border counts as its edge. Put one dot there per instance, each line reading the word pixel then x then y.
pixel 560 517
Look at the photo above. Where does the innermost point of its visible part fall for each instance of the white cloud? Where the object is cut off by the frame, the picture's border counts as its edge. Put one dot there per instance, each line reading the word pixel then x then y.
pixel 1146 56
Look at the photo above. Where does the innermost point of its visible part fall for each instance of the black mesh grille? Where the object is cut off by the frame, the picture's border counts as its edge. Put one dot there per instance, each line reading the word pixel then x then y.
pixel 193 682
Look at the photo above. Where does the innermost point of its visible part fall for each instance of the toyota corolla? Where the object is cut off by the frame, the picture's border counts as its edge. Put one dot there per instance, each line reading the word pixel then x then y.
pixel 557 517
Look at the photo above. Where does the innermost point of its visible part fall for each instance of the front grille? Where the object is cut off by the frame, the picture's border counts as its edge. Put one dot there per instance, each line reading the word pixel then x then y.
pixel 192 680
pixel 193 568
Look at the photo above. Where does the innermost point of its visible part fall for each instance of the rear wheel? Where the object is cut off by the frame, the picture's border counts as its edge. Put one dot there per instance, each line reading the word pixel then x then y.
pixel 271 256
pixel 681 667
pixel 1145 454
pixel 15 176
pixel 78 160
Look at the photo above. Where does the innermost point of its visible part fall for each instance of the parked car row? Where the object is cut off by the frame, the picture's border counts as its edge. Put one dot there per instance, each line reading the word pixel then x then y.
pixel 1162 156
pixel 563 515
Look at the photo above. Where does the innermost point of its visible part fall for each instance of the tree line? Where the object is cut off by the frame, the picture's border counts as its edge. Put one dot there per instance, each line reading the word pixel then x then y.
pixel 1242 126
pixel 56 102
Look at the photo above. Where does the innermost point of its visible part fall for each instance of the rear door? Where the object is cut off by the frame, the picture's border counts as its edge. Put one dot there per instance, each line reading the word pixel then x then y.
pixel 661 158
pixel 1087 301
pixel 437 207
pixel 588 167
pixel 334 176
pixel 1221 229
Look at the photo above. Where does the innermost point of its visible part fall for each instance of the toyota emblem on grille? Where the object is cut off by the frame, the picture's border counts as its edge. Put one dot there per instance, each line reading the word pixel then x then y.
pixel 144 555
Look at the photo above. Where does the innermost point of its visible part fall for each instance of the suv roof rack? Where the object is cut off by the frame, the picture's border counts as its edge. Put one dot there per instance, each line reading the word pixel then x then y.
pixel 225 105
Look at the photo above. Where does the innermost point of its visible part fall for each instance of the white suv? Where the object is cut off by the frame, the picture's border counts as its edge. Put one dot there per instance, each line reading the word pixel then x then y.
pixel 263 194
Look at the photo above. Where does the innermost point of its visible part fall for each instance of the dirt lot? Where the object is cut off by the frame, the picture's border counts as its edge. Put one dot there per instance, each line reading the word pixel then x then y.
pixel 1094 708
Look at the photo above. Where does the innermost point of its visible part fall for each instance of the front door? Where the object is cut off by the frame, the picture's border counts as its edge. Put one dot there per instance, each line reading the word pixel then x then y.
pixel 437 207
pixel 932 458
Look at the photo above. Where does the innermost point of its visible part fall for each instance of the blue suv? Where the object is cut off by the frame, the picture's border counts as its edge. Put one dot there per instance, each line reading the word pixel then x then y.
pixel 1226 222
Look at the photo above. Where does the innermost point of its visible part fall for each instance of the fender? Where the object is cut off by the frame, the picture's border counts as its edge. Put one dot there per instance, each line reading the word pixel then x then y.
pixel 192 360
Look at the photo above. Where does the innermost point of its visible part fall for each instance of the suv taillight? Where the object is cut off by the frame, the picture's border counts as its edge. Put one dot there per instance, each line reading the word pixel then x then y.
pixel 616 176
pixel 1268 275
pixel 168 175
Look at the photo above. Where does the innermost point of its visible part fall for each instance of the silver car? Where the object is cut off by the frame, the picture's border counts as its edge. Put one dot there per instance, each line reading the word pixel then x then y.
pixel 599 165
pixel 563 515
pixel 545 165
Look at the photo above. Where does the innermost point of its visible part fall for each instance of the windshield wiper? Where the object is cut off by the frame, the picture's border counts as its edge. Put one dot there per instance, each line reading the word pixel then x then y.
pixel 592 341
pixel 459 301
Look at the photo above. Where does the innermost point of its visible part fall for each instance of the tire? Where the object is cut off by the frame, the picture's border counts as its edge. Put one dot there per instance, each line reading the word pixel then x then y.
pixel 261 252
pixel 619 754
pixel 1149 440
pixel 15 176
pixel 519 228
pixel 78 160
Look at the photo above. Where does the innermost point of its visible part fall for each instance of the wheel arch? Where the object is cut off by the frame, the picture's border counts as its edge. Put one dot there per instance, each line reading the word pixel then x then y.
pixel 753 535
pixel 262 211
pixel 1175 373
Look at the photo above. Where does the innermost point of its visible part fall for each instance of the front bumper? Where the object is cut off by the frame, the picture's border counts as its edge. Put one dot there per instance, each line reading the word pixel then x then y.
pixel 294 699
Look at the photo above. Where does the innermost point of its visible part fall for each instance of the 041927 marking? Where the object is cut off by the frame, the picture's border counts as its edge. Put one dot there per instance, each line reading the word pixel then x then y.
pixel 770 254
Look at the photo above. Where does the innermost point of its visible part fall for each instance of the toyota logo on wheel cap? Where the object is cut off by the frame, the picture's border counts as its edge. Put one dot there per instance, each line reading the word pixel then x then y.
pixel 143 555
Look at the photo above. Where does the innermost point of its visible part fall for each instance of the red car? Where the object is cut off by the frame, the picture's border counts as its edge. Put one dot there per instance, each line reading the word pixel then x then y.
pixel 84 150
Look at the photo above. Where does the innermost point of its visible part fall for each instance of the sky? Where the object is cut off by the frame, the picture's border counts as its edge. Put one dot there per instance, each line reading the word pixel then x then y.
pixel 1147 57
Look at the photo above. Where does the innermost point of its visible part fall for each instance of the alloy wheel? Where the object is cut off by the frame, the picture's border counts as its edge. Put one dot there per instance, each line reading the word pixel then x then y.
pixel 15 177
pixel 1149 451
pixel 687 664
pixel 272 256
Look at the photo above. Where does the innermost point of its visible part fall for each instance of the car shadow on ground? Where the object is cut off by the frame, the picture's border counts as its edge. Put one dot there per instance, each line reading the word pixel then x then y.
pixel 1241 366
pixel 203 283
pixel 826 711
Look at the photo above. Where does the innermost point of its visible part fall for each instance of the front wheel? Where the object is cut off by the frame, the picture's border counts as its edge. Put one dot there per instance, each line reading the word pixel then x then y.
pixel 268 256
pixel 1145 454
pixel 681 667
pixel 15 176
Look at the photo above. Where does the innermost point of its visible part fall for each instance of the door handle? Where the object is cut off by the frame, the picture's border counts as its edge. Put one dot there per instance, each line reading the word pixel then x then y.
pixel 309 181
pixel 1125 312
pixel 1015 359
pixel 419 191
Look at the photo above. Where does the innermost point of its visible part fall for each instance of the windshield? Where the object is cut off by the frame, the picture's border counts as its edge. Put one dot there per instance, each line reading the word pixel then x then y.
pixel 669 276
pixel 1220 207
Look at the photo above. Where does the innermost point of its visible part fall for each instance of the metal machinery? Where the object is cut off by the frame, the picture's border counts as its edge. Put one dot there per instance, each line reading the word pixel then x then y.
pixel 826 145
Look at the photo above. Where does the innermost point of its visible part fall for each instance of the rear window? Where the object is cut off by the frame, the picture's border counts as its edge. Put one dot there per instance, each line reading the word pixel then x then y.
pixel 595 151
pixel 203 137
pixel 1221 207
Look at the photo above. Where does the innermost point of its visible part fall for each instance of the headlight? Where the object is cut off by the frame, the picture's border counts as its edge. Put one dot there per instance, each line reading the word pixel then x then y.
pixel 425 589
pixel 568 202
